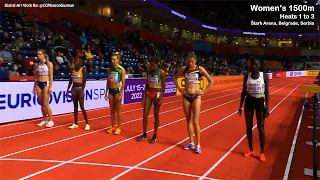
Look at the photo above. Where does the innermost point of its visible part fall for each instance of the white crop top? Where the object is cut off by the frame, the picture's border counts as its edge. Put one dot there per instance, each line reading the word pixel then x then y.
pixel 256 87
pixel 43 69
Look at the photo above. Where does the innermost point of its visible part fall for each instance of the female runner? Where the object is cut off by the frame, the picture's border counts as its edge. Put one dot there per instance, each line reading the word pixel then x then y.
pixel 255 92
pixel 43 86
pixel 191 98
pixel 116 74
pixel 154 93
pixel 78 80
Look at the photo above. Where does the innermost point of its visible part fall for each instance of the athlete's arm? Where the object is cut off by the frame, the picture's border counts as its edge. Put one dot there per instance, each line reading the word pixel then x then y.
pixel 69 85
pixel 35 78
pixel 266 92
pixel 206 74
pixel 163 83
pixel 146 88
pixel 123 80
pixel 50 66
pixel 178 75
pixel 244 89
pixel 107 84
pixel 84 73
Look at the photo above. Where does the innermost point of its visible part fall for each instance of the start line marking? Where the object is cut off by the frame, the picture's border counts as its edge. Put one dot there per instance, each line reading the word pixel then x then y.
pixel 105 165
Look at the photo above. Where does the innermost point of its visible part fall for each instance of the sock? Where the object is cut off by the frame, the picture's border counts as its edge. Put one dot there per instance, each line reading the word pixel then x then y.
pixel 144 134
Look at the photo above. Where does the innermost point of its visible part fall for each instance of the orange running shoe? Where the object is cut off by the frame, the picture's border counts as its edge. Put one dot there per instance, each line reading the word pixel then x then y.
pixel 262 157
pixel 117 131
pixel 247 154
pixel 110 130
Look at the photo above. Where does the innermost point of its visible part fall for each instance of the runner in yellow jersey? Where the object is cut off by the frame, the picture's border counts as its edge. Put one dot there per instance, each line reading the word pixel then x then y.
pixel 78 80
pixel 116 74
pixel 154 93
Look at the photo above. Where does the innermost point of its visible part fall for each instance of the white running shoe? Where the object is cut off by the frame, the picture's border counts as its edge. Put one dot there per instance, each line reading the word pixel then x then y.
pixel 42 123
pixel 50 124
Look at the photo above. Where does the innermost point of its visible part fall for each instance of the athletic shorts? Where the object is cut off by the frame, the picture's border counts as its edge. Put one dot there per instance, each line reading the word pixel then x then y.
pixel 252 103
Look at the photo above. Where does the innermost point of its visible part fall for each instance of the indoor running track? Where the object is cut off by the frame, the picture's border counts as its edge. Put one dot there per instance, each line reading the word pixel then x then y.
pixel 31 152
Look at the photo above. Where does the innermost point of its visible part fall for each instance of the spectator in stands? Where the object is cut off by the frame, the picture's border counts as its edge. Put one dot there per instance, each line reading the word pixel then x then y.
pixel 2 70
pixel 87 53
pixel 5 39
pixel 56 69
pixel 52 55
pixel 83 38
pixel 42 37
pixel 80 52
pixel 30 62
pixel 17 25
pixel 5 54
pixel 129 70
pixel 48 46
pixel 61 59
pixel 13 70
pixel 71 65
pixel 68 54
pixel 89 65
pixel 15 52
pixel 19 61
pixel 19 42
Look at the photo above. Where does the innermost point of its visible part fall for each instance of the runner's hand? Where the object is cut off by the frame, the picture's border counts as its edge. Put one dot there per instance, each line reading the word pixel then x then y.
pixel 50 90
pixel 266 113
pixel 200 92
pixel 160 101
pixel 119 96
pixel 240 112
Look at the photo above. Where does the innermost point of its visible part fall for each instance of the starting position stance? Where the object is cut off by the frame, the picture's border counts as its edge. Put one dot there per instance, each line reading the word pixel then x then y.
pixel 78 80
pixel 43 86
pixel 154 93
pixel 255 92
pixel 191 96
pixel 116 74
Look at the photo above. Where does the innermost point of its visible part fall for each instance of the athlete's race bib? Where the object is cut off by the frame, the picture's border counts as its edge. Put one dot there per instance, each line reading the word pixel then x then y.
pixel 75 77
pixel 114 77
pixel 255 88
pixel 192 78
pixel 42 71
pixel 153 81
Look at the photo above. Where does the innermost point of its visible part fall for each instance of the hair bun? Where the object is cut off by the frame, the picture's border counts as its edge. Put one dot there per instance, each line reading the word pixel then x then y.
pixel 191 54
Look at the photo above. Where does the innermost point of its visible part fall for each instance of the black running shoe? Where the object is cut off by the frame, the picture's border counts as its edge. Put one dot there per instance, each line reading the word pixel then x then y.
pixel 142 138
pixel 153 140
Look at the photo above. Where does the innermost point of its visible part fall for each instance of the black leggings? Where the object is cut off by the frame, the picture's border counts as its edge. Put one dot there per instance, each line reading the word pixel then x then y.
pixel 256 104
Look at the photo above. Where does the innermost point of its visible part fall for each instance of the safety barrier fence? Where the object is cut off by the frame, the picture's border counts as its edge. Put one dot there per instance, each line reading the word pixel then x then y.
pixel 17 102
pixel 315 143
pixel 315 99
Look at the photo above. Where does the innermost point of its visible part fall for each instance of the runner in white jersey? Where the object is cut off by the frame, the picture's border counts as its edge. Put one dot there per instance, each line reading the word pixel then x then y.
pixel 255 92
pixel 191 99
pixel 43 86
